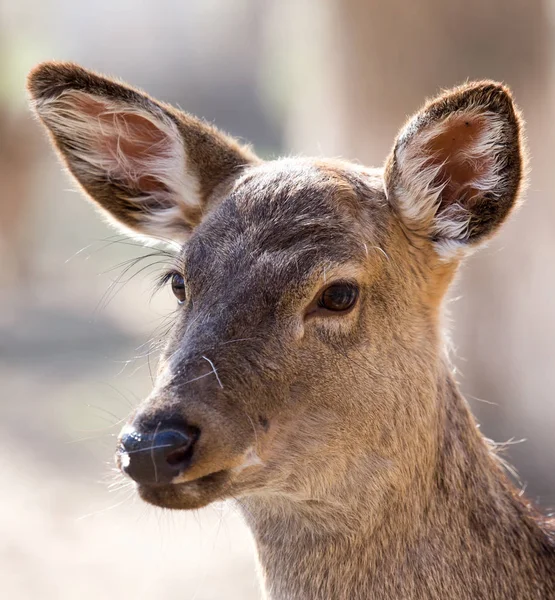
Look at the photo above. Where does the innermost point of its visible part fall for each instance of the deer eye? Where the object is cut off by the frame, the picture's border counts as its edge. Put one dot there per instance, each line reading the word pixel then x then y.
pixel 178 287
pixel 339 297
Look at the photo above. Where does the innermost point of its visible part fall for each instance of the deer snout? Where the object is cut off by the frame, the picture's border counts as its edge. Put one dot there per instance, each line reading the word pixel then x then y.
pixel 156 456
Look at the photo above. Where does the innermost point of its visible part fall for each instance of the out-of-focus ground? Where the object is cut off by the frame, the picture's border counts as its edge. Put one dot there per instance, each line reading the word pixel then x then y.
pixel 318 76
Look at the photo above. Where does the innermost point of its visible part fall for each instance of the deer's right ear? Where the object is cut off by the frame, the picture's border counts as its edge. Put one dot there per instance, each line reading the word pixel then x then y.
pixel 149 166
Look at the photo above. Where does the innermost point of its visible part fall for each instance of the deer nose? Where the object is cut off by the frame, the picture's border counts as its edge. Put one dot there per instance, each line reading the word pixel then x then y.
pixel 156 456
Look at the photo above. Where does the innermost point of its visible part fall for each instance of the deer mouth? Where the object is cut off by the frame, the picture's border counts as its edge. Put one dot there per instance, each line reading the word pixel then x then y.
pixel 246 475
pixel 187 495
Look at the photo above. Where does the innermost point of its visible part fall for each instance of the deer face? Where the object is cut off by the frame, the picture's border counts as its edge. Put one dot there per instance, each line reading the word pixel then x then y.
pixel 275 285
pixel 304 349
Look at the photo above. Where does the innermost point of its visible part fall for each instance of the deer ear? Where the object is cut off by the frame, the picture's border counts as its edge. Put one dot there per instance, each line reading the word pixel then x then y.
pixel 148 166
pixel 457 166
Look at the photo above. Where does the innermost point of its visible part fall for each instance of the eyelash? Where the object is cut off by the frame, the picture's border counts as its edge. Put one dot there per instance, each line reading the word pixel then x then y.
pixel 165 278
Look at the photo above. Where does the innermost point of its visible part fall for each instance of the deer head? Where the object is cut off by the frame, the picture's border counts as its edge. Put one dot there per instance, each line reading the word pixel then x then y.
pixel 308 345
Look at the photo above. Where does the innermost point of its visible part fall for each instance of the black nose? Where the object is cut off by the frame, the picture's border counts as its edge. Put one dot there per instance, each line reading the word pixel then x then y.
pixel 156 456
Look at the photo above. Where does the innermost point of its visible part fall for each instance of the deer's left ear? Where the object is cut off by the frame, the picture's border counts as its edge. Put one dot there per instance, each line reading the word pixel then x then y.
pixel 457 166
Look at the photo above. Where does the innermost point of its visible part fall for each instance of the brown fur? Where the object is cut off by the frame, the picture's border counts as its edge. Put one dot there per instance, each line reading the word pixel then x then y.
pixel 343 437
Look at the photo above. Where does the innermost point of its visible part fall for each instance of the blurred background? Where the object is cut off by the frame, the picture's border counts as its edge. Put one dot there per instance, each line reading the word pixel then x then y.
pixel 324 77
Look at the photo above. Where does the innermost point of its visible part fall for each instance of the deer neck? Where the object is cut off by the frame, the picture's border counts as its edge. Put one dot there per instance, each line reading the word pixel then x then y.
pixel 436 536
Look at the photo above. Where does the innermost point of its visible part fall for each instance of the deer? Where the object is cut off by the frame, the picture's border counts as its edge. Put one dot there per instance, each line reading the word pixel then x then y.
pixel 307 375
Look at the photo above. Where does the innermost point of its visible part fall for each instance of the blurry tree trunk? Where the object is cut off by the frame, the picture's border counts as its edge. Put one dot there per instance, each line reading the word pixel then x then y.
pixel 361 67
pixel 18 153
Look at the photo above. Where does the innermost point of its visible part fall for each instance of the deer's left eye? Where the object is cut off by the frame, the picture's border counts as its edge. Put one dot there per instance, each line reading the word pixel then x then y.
pixel 339 297
pixel 178 287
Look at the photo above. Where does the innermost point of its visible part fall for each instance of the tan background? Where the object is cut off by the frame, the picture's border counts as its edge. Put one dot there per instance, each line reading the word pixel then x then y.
pixel 333 77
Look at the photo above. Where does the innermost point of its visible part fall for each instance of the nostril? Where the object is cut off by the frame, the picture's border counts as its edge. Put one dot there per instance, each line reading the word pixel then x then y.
pixel 174 446
pixel 179 456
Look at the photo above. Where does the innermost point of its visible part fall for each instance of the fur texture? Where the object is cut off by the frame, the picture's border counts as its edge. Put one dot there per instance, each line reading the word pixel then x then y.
pixel 342 436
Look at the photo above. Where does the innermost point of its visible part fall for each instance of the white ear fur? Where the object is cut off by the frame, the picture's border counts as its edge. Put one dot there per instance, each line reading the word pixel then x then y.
pixel 457 167
pixel 424 175
pixel 141 150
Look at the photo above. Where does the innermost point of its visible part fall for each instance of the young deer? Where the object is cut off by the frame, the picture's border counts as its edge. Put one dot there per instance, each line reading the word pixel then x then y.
pixel 306 374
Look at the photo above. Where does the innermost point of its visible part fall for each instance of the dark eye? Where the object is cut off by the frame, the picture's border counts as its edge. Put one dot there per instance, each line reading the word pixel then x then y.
pixel 339 297
pixel 178 287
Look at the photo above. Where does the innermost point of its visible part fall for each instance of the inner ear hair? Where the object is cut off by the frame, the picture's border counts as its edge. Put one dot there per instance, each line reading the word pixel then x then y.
pixel 124 149
pixel 151 168
pixel 140 151
pixel 457 165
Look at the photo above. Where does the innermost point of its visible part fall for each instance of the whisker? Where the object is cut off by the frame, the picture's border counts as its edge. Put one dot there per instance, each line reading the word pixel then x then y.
pixel 104 510
pixel 152 453
pixel 117 421
pixel 91 437
pixel 151 448
pixel 166 258
pixel 214 371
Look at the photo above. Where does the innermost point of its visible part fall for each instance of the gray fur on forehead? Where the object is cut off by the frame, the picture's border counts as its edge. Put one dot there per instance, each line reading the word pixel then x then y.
pixel 294 210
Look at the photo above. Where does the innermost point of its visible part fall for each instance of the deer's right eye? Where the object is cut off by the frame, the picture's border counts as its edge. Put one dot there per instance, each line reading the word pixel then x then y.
pixel 178 287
